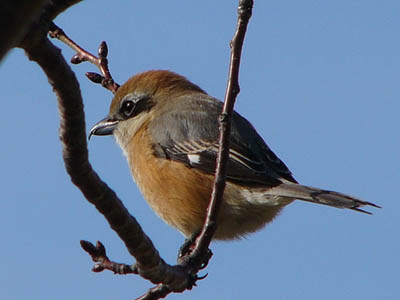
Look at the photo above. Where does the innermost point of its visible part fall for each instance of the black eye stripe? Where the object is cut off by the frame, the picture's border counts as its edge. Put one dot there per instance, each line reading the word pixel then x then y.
pixel 133 104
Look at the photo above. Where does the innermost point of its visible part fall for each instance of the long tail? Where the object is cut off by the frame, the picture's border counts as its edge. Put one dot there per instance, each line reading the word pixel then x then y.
pixel 315 195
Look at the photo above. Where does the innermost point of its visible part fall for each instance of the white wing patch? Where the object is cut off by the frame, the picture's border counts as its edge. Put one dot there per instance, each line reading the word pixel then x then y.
pixel 194 158
pixel 194 149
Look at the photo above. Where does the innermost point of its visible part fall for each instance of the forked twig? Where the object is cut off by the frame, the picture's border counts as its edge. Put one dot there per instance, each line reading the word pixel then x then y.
pixel 81 55
pixel 98 254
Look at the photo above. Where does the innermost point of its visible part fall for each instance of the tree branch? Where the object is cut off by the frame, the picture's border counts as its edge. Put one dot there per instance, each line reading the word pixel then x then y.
pixel 15 20
pixel 73 137
pixel 98 254
pixel 245 8
pixel 55 7
pixel 200 253
pixel 81 55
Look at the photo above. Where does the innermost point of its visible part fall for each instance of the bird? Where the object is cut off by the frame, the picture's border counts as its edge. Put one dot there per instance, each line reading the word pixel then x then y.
pixel 167 127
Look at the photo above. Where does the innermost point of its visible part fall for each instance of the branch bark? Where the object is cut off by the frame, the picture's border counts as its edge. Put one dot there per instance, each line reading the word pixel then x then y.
pixel 73 138
pixel 197 256
pixel 15 19
pixel 105 79
pixel 245 8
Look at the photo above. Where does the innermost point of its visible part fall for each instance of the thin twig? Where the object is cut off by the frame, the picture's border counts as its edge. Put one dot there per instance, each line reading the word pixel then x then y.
pixel 81 55
pixel 198 257
pixel 244 13
pixel 98 254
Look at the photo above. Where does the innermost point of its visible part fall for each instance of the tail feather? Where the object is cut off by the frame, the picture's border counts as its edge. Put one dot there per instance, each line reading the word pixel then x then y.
pixel 325 197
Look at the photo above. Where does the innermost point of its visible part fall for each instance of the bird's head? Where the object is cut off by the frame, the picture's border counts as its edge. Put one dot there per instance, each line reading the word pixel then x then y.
pixel 141 99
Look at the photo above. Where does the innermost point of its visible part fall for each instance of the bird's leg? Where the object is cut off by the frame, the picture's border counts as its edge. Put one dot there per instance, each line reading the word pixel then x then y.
pixel 188 245
pixel 186 257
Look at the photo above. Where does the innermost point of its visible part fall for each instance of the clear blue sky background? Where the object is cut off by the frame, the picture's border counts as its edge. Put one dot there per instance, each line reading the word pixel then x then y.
pixel 319 80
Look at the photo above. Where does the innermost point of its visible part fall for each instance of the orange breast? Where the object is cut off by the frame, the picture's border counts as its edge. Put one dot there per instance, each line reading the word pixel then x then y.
pixel 180 195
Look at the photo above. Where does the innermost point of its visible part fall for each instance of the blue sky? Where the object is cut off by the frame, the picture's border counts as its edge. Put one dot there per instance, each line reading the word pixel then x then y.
pixel 320 82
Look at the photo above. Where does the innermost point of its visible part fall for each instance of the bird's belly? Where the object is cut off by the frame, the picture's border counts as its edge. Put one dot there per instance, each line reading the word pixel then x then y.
pixel 184 205
pixel 241 214
pixel 180 196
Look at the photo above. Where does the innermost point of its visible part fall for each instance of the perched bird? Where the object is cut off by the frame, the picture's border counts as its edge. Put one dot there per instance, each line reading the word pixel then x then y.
pixel 168 130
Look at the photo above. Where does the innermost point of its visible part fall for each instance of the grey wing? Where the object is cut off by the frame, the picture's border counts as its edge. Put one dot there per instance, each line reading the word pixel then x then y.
pixel 190 135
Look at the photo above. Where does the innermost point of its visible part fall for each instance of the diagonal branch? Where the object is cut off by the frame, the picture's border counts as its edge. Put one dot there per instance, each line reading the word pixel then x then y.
pixel 73 137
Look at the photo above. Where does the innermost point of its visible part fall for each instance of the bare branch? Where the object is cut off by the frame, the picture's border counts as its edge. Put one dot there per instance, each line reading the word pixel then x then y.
pixel 73 137
pixel 244 13
pixel 198 258
pixel 81 55
pixel 15 20
pixel 55 7
pixel 98 254
pixel 158 292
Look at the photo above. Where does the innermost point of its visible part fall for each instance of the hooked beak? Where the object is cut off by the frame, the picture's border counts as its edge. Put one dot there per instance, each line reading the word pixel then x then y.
pixel 104 127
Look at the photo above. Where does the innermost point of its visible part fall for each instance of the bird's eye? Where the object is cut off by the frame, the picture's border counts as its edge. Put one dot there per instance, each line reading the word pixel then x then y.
pixel 128 107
